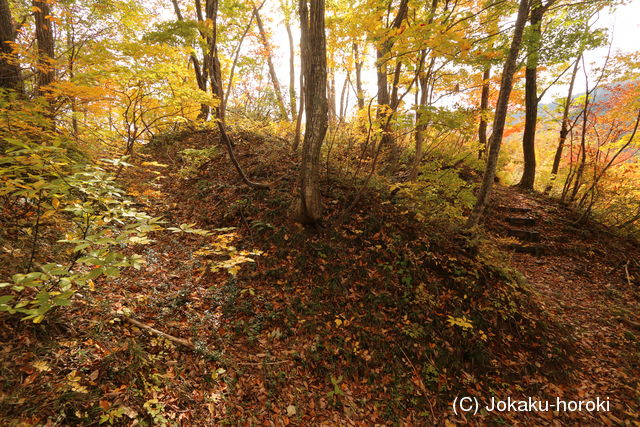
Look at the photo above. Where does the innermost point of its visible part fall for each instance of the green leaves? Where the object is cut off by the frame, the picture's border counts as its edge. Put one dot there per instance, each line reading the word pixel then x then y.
pixel 57 192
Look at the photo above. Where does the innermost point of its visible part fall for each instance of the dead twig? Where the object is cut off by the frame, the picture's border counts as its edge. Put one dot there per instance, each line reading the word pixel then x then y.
pixel 183 342
pixel 275 362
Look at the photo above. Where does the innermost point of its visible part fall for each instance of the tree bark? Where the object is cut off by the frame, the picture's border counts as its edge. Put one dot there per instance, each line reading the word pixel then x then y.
pixel 531 97
pixel 292 72
pixel 215 73
pixel 216 87
pixel 46 55
pixel 583 145
pixel 421 126
pixel 236 56
pixel 10 77
pixel 506 85
pixel 484 106
pixel 298 133
pixel 200 79
pixel 331 94
pixel 358 63
pixel 314 68
pixel 272 70
pixel 344 98
pixel 385 108
pixel 564 129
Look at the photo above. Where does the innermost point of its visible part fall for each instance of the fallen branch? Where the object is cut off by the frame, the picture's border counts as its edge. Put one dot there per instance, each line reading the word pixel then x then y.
pixel 630 323
pixel 228 143
pixel 154 331
pixel 275 362
pixel 626 270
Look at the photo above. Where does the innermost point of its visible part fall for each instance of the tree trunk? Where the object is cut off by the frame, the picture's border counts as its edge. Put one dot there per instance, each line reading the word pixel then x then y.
pixel 298 135
pixel 236 56
pixel 484 106
pixel 385 109
pixel 215 73
pixel 272 70
pixel 344 98
pixel 331 93
pixel 202 82
pixel 10 77
pixel 383 85
pixel 564 130
pixel 71 48
pixel 216 88
pixel 314 68
pixel 44 37
pixel 583 146
pixel 531 98
pixel 292 72
pixel 421 126
pixel 506 85
pixel 358 63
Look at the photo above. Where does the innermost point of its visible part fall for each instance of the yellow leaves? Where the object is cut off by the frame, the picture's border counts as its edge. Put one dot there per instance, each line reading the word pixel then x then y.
pixel 47 214
pixel 154 194
pixel 41 366
pixel 341 321
pixel 222 246
pixel 154 163
pixel 73 382
pixel 216 374
pixel 462 322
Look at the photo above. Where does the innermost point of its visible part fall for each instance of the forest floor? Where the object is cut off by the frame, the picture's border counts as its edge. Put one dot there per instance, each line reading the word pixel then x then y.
pixel 374 320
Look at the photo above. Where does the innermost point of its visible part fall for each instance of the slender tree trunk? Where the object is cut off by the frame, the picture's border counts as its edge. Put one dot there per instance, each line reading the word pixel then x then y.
pixel 484 107
pixel 531 98
pixel 236 56
pixel 358 63
pixel 506 85
pixel 216 88
pixel 71 47
pixel 202 70
pixel 202 82
pixel 385 109
pixel 564 129
pixel 215 73
pixel 272 71
pixel 344 98
pixel 382 82
pixel 314 67
pixel 583 147
pixel 331 93
pixel 298 134
pixel 421 126
pixel 46 55
pixel 292 72
pixel 424 78
pixel 10 77
pixel 599 174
